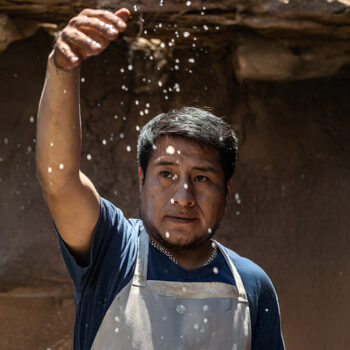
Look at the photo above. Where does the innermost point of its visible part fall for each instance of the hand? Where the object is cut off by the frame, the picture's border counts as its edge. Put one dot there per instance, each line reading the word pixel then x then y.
pixel 87 34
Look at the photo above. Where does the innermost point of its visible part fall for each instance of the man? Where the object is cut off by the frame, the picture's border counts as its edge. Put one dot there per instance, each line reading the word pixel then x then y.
pixel 161 282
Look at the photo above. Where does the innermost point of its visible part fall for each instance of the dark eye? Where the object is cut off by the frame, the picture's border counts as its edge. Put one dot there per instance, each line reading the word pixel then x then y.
pixel 201 178
pixel 166 174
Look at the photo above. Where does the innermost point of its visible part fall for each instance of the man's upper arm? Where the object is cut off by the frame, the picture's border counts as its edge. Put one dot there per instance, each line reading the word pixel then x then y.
pixel 267 333
pixel 75 212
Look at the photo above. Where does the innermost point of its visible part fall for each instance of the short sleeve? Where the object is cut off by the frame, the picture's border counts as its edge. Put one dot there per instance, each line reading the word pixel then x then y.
pixel 112 252
pixel 267 332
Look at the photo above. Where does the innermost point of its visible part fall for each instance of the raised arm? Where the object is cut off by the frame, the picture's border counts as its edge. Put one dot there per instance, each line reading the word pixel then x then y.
pixel 70 196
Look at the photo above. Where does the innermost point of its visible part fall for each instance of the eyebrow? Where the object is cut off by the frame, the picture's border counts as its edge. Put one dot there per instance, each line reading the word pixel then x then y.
pixel 206 168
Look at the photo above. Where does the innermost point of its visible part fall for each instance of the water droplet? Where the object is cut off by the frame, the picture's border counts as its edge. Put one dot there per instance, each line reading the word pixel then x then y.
pixel 122 70
pixel 205 320
pixel 185 186
pixel 172 201
pixel 186 34
pixel 130 67
pixel 117 319
pixel 215 270
pixel 237 198
pixel 61 166
pixel 137 128
pixel 116 330
pixel 196 326
pixel 104 142
pixel 128 148
pixel 191 60
pixel 82 80
pixel 88 157
pixel 188 3
pixel 6 141
pixel 64 91
pixel 180 309
pixel 167 234
pixel 170 150
pixel 31 119
pixel 121 135
pixel 49 169
pixel 266 310
pixel 209 230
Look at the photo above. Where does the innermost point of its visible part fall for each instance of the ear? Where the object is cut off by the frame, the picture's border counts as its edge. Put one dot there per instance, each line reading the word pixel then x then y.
pixel 141 179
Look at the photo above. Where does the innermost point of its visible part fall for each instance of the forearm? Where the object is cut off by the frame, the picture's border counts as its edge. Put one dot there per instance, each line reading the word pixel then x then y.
pixel 58 129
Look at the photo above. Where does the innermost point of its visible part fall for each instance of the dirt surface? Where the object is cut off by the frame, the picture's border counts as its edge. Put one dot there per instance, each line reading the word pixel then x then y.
pixel 36 319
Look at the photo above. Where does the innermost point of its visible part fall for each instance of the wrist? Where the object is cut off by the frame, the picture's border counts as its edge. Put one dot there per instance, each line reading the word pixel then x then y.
pixel 59 70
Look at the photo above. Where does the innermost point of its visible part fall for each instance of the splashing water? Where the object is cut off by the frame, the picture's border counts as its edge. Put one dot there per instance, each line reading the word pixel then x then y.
pixel 170 150
pixel 237 198
pixel 180 309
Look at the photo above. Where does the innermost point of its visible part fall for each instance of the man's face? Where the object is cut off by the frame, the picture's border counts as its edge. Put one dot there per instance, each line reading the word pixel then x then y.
pixel 183 197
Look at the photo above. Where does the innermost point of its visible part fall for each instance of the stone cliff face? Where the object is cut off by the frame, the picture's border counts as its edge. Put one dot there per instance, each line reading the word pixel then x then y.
pixel 278 71
pixel 274 40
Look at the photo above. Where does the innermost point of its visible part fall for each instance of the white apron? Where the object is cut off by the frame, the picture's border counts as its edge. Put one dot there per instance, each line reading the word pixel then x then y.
pixel 157 315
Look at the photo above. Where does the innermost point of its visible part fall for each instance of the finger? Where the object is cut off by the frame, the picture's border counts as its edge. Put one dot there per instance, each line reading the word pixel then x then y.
pixel 100 27
pixel 124 14
pixel 108 17
pixel 83 43
pixel 64 57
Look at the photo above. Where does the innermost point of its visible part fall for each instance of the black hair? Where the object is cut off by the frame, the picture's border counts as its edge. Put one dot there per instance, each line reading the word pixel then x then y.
pixel 191 123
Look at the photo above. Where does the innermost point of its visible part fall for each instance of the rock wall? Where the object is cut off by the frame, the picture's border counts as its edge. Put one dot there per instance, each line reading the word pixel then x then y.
pixel 288 212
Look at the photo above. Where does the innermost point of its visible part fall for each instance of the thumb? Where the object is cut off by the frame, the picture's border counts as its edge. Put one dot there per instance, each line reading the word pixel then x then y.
pixel 123 13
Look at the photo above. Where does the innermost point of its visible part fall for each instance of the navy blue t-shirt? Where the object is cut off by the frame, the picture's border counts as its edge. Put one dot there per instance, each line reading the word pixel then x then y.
pixel 111 265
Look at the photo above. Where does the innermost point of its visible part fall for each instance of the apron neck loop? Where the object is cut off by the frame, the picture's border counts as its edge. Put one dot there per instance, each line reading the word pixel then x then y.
pixel 140 275
pixel 242 295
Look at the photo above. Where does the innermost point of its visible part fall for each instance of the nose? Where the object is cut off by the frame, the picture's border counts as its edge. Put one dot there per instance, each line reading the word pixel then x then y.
pixel 184 195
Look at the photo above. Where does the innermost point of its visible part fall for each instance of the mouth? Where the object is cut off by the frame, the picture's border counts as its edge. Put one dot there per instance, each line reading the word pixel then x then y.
pixel 180 219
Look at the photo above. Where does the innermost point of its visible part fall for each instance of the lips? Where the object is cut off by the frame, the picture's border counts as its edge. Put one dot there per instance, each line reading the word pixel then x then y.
pixel 180 219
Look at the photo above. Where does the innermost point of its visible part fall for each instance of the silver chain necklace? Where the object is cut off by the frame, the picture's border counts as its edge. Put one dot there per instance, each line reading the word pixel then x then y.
pixel 173 259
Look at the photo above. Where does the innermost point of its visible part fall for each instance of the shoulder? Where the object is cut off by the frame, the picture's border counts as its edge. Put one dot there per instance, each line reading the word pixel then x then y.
pixel 263 303
pixel 112 215
pixel 253 276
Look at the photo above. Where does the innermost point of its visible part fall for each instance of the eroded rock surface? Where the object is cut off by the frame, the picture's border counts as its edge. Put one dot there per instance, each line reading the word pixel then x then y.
pixel 272 39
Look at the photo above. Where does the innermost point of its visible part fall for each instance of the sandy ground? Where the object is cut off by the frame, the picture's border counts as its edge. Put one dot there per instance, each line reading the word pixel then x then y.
pixel 36 320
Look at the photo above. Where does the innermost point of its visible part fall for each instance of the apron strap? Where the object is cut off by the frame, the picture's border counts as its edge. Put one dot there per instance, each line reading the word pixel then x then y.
pixel 242 295
pixel 140 275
